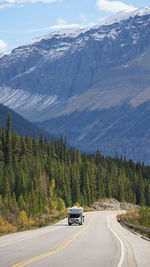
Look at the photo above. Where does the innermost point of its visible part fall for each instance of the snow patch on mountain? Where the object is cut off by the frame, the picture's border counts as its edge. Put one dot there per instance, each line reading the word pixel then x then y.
pixel 112 34
pixel 58 34
pixel 5 53
pixel 124 15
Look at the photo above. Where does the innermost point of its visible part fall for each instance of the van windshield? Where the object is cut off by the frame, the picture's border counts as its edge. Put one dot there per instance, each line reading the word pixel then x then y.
pixel 74 216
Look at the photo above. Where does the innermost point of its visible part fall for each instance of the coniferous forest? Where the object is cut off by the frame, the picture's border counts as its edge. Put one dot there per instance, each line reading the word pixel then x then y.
pixel 39 175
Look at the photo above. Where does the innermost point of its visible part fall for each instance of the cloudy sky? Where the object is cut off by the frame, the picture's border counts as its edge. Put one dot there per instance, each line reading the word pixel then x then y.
pixel 23 20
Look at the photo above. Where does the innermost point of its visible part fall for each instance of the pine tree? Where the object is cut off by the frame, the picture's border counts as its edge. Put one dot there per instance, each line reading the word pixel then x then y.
pixel 21 202
pixel 8 156
pixel 75 183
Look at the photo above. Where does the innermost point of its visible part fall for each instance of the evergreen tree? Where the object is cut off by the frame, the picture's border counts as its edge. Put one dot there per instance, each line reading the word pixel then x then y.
pixel 8 148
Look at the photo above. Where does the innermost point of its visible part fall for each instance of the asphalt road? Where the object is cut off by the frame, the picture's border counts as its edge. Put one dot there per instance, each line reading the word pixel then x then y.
pixel 100 242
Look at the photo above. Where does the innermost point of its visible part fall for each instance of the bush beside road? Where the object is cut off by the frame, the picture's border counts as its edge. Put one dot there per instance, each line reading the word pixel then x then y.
pixel 137 220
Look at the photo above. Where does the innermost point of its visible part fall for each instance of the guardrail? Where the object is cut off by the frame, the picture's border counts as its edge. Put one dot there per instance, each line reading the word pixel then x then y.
pixel 140 229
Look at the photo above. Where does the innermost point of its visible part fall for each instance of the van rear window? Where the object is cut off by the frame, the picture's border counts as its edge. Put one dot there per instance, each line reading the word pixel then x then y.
pixel 74 215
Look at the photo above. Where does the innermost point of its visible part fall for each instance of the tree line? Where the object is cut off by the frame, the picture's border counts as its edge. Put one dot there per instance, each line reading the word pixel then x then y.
pixel 40 175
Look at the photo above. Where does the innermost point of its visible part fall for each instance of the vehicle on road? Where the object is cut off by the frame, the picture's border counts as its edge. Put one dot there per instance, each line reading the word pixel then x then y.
pixel 75 215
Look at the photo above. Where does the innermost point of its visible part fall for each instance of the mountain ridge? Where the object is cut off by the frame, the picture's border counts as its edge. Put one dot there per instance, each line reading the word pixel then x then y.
pixel 19 124
pixel 80 76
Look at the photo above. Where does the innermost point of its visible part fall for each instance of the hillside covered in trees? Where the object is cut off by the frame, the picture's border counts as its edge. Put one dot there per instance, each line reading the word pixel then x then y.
pixel 22 126
pixel 38 176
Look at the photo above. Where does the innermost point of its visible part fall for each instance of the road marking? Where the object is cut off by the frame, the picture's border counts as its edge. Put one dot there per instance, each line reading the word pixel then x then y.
pixel 130 254
pixel 13 242
pixel 121 244
pixel 62 246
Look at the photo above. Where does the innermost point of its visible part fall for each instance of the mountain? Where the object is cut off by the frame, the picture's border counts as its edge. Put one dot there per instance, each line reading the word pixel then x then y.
pixel 92 85
pixel 22 126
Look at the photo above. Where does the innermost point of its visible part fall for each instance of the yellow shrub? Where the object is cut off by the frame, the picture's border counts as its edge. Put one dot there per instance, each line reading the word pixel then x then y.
pixel 22 218
pixel 6 228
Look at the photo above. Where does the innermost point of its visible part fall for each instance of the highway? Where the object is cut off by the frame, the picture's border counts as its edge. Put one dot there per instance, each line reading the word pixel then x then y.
pixel 100 242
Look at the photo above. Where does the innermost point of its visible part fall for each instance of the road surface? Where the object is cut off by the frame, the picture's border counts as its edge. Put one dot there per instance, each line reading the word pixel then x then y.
pixel 100 242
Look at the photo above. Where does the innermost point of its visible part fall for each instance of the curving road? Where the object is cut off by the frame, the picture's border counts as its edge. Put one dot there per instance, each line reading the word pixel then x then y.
pixel 101 241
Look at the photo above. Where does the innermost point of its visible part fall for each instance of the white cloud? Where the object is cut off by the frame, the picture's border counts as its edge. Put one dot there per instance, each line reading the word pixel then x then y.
pixel 57 27
pixel 5 6
pixel 9 1
pixel 3 45
pixel 19 3
pixel 61 27
pixel 112 6
pixel 36 1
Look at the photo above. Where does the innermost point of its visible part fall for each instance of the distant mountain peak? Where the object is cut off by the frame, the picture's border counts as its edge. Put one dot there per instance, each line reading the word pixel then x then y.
pixel 124 15
pixel 74 33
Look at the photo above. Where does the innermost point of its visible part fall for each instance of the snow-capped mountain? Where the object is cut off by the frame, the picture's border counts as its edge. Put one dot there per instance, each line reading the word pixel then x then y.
pixel 91 84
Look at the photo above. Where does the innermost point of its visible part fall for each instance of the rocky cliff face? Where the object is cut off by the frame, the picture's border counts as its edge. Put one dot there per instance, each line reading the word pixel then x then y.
pixel 93 84
pixel 113 204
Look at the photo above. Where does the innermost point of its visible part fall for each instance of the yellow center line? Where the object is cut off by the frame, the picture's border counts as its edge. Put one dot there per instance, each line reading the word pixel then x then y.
pixel 62 246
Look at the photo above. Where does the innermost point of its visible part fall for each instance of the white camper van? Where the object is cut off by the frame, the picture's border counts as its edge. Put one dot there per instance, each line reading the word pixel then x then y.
pixel 75 215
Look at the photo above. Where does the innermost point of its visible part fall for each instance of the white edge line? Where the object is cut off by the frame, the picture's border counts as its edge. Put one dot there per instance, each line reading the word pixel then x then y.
pixel 122 247
pixel 13 242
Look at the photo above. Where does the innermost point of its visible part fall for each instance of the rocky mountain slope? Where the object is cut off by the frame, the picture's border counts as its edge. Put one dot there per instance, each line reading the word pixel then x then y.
pixel 92 85
pixel 113 204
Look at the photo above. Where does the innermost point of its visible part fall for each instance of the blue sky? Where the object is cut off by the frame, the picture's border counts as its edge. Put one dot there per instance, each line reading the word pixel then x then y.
pixel 23 20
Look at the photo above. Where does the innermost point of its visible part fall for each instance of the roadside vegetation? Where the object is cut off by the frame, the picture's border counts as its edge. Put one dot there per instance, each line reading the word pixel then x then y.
pixel 138 220
pixel 22 222
pixel 39 178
